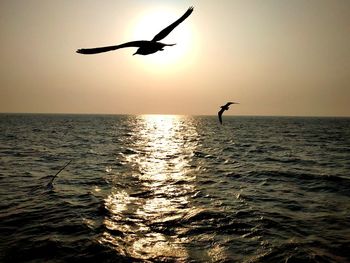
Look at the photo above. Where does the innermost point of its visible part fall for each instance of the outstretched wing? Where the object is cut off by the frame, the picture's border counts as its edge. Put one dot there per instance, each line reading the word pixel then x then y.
pixel 220 114
pixel 110 48
pixel 162 34
pixel 229 103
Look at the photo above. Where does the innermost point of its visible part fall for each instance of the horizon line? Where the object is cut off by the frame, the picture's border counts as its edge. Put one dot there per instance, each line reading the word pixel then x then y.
pixel 140 114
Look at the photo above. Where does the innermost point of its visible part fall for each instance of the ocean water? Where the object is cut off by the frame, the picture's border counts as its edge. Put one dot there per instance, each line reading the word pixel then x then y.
pixel 156 188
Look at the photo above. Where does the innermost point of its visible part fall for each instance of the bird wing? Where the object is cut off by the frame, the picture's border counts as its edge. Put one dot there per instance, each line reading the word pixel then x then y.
pixel 162 34
pixel 229 103
pixel 220 114
pixel 110 48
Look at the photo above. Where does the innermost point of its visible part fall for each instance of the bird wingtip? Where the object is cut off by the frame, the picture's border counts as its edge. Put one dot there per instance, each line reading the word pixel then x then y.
pixel 83 51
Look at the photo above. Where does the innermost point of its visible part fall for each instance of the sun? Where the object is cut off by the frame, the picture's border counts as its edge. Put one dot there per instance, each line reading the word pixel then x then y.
pixel 150 23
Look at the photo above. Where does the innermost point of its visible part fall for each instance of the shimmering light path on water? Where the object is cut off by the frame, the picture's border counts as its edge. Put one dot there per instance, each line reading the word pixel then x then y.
pixel 174 188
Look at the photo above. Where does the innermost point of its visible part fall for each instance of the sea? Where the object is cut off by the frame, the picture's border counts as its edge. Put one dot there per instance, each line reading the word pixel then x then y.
pixel 168 188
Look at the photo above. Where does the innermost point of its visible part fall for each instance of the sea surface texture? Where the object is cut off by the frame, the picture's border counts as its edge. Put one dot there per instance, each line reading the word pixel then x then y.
pixel 163 188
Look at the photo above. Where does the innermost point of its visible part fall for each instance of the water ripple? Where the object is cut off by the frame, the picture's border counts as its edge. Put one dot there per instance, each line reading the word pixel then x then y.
pixel 174 188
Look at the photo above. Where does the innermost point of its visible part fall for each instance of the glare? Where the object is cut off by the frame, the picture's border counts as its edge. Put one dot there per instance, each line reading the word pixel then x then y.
pixel 161 160
pixel 160 141
pixel 151 23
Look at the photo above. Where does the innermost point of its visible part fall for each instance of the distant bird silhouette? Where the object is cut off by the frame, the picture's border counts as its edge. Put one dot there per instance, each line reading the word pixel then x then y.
pixel 145 47
pixel 223 108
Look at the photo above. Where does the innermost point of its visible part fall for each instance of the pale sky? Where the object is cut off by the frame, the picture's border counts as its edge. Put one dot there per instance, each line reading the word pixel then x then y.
pixel 275 57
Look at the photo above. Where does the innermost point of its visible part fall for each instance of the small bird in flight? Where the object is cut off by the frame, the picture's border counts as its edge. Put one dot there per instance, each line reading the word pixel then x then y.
pixel 223 108
pixel 145 47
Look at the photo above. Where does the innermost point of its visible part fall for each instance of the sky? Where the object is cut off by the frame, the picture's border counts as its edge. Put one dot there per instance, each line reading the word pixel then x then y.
pixel 274 57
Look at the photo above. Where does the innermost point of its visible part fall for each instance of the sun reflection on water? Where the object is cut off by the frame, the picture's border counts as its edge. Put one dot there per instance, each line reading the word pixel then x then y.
pixel 142 218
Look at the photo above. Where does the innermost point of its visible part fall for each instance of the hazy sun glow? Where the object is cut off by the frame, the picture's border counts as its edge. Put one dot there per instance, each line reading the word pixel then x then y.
pixel 152 22
pixel 274 57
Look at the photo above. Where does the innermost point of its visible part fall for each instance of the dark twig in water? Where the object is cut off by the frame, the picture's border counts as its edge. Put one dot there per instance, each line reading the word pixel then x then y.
pixel 50 184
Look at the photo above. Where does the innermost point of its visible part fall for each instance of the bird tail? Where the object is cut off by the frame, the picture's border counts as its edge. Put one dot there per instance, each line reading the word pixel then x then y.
pixel 170 45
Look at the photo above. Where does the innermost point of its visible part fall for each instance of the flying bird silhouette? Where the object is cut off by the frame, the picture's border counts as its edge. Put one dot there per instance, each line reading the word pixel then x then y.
pixel 145 47
pixel 223 108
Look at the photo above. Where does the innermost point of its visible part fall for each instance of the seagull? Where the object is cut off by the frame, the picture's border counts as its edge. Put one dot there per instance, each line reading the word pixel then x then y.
pixel 145 47
pixel 223 108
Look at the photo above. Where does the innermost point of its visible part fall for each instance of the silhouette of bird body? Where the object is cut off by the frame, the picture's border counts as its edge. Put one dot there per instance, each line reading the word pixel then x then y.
pixel 145 47
pixel 223 108
pixel 150 47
